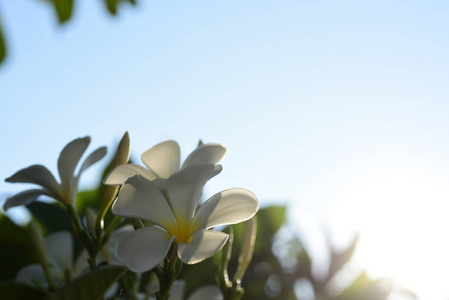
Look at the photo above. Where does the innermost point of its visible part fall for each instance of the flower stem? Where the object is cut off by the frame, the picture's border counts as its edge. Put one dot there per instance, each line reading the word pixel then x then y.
pixel 83 235
pixel 38 240
pixel 168 274
pixel 235 292
pixel 103 238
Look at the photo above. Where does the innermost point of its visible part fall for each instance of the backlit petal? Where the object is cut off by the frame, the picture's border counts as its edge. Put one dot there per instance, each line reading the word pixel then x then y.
pixel 247 247
pixel 31 273
pixel 144 249
pixel 68 159
pixel 91 159
pixel 119 175
pixel 205 154
pixel 116 238
pixel 59 248
pixel 37 174
pixel 227 207
pixel 184 190
pixel 140 198
pixel 24 198
pixel 204 244
pixel 163 159
pixel 81 264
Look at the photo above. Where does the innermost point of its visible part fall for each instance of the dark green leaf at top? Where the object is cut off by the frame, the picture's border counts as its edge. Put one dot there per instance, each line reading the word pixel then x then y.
pixel 52 217
pixel 64 9
pixel 2 45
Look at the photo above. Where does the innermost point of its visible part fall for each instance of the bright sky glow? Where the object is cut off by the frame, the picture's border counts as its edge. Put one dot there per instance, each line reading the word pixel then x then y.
pixel 337 108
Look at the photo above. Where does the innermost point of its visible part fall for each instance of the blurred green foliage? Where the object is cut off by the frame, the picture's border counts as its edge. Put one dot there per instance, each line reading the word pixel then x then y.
pixel 64 12
pixel 267 276
pixel 273 273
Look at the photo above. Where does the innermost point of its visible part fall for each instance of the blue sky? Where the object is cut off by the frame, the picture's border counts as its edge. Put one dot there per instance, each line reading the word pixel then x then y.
pixel 337 108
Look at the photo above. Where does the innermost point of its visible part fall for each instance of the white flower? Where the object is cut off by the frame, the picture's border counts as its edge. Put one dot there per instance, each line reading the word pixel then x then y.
pixel 59 249
pixel 178 217
pixel 163 160
pixel 68 188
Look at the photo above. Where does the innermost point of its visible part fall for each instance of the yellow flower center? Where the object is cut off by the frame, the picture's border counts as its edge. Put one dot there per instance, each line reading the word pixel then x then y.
pixel 183 237
pixel 181 232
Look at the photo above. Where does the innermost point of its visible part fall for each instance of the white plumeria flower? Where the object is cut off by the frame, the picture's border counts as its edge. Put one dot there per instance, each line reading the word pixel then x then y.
pixel 178 217
pixel 59 249
pixel 164 160
pixel 68 188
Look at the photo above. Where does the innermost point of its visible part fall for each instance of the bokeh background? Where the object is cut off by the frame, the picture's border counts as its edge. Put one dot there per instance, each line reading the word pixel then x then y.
pixel 337 109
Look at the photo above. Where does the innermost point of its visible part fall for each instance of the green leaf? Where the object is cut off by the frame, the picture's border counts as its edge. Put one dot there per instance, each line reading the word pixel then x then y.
pixel 365 288
pixel 52 217
pixel 198 275
pixel 269 221
pixel 112 5
pixel 64 9
pixel 91 286
pixel 16 249
pixel 86 199
pixel 13 291
pixel 2 45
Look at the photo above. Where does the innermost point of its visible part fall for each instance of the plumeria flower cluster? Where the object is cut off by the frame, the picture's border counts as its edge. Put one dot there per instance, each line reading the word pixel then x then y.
pixel 174 207
pixel 172 225
pixel 178 217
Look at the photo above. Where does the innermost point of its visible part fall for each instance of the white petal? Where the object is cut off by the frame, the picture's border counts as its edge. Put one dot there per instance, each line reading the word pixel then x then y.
pixel 81 264
pixel 31 273
pixel 59 248
pixel 163 159
pixel 119 175
pixel 204 244
pixel 68 159
pixel 118 235
pixel 205 154
pixel 144 249
pixel 227 207
pixel 89 161
pixel 184 190
pixel 37 174
pixel 161 183
pixel 140 198
pixel 24 198
pixel 116 238
pixel 209 292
